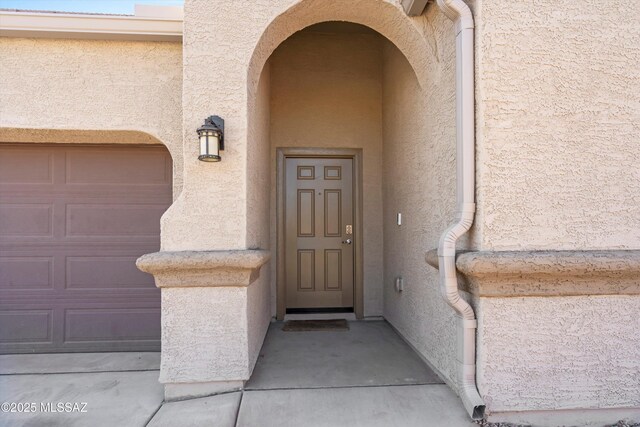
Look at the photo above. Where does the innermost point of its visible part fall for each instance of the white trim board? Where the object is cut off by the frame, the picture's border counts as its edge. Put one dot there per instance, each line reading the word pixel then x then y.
pixel 154 24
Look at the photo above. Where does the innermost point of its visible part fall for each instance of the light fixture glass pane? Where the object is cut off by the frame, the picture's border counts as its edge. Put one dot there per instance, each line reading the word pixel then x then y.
pixel 203 143
pixel 214 145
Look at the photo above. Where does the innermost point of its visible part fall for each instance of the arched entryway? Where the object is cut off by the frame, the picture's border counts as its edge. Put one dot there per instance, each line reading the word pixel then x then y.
pixel 335 86
pixel 365 78
pixel 343 95
pixel 277 81
pixel 330 92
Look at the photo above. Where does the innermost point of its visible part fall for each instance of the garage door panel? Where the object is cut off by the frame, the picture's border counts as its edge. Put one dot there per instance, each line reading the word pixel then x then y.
pixel 114 220
pixel 26 272
pixel 71 298
pixel 94 167
pixel 19 246
pixel 26 326
pixel 111 324
pixel 25 166
pixel 73 221
pixel 106 194
pixel 104 272
pixel 26 220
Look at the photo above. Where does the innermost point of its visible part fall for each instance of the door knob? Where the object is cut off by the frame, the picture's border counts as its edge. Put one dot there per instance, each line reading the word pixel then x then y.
pixel 348 241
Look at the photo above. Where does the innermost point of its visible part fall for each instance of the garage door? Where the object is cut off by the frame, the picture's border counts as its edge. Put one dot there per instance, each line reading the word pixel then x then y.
pixel 73 220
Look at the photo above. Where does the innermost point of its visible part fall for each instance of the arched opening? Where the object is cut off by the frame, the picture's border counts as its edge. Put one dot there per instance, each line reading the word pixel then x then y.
pixel 326 97
pixel 379 88
pixel 333 90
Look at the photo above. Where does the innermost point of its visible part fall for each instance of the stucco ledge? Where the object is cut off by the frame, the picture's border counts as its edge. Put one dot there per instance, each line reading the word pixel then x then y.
pixel 204 268
pixel 547 273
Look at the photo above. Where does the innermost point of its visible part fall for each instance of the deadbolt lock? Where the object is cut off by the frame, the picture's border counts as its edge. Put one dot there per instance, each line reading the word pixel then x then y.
pixel 349 229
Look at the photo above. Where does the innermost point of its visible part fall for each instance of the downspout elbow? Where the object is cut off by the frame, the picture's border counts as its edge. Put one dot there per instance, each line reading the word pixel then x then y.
pixel 458 12
pixel 464 221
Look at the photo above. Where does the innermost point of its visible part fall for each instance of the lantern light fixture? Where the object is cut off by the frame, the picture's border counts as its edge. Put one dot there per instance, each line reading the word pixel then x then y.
pixel 211 137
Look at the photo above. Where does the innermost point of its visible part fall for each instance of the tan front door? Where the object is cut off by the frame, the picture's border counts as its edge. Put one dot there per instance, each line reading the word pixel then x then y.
pixel 319 235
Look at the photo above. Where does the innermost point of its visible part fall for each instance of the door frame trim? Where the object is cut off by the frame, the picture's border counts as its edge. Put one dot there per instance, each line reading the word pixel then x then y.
pixel 282 153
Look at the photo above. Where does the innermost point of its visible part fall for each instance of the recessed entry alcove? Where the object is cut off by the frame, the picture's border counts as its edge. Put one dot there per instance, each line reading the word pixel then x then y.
pixel 349 136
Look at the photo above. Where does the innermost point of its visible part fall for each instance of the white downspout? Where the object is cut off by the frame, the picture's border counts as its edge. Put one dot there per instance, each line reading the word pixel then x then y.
pixel 460 14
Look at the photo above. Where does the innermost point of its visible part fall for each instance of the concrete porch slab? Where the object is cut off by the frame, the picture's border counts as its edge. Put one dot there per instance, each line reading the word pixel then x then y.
pixel 219 411
pixel 60 363
pixel 401 406
pixel 112 398
pixel 369 354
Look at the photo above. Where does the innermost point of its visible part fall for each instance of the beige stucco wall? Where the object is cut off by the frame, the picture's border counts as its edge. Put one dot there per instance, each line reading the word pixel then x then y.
pixel 326 92
pixel 258 156
pixel 92 85
pixel 225 49
pixel 557 168
pixel 419 182
pixel 191 349
pixel 259 293
pixel 559 353
pixel 558 124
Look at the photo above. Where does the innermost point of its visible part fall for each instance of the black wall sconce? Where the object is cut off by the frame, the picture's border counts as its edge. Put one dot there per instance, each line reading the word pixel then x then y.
pixel 211 137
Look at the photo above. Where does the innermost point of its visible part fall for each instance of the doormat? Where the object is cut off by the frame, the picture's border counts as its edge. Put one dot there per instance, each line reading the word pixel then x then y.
pixel 315 325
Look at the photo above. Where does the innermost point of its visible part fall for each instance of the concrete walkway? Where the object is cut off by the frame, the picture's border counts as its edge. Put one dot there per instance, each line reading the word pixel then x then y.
pixel 368 354
pixel 366 376
pixel 110 389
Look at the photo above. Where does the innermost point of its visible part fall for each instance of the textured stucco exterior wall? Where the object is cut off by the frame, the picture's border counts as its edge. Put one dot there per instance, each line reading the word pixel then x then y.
pixel 558 124
pixel 238 38
pixel 559 352
pixel 94 85
pixel 258 156
pixel 209 346
pixel 419 181
pixel 557 168
pixel 259 293
pixel 211 213
pixel 258 315
pixel 326 93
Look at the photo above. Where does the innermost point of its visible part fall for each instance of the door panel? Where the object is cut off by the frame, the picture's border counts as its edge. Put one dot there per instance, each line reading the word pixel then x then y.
pixel 319 264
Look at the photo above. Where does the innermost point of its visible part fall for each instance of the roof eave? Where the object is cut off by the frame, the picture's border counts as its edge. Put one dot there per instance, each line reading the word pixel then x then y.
pixel 89 26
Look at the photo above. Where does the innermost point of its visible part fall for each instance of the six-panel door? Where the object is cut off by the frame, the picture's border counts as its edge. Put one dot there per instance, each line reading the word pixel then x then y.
pixel 319 238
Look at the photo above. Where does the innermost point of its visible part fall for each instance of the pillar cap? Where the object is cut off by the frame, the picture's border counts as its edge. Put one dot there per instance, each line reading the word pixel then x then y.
pixel 204 268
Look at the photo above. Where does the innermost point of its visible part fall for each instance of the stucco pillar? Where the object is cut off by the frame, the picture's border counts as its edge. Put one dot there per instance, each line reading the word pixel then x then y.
pixel 206 328
pixel 215 300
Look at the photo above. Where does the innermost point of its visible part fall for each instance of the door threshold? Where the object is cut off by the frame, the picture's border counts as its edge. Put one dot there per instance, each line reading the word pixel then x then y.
pixel 319 316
